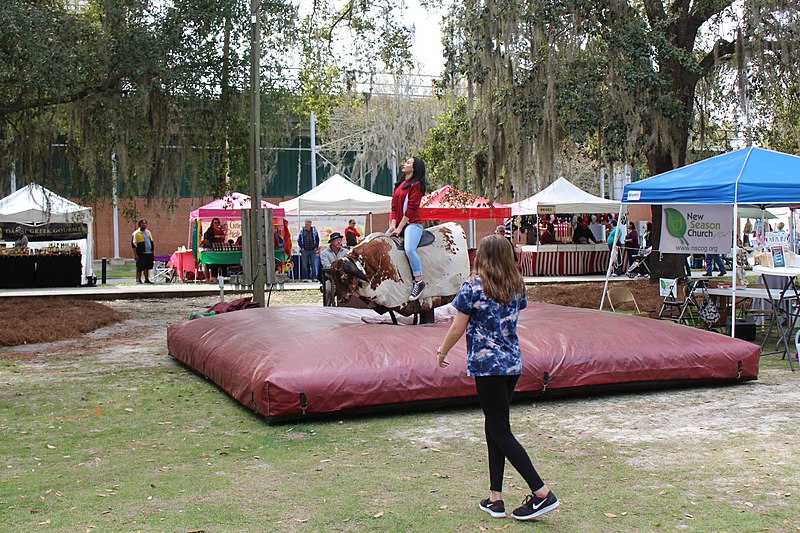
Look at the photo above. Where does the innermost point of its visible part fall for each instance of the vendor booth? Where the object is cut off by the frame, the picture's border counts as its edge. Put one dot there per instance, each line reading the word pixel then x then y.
pixel 449 203
pixel 229 211
pixel 326 203
pixel 564 258
pixel 59 237
pixel 750 177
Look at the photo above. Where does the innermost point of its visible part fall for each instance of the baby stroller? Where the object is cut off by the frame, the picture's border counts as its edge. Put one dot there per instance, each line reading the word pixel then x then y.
pixel 639 268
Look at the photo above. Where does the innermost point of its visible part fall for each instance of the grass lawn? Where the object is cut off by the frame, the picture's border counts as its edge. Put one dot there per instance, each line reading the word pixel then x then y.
pixel 109 433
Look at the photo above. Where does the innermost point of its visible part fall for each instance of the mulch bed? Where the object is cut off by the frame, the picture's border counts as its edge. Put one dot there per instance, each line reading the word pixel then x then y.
pixel 35 320
pixel 587 295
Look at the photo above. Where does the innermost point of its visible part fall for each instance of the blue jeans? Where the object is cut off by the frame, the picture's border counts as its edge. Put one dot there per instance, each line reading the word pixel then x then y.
pixel 711 261
pixel 308 264
pixel 412 235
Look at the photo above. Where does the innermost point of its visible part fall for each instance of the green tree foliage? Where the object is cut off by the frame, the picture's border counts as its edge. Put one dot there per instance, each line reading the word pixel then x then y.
pixel 165 86
pixel 619 78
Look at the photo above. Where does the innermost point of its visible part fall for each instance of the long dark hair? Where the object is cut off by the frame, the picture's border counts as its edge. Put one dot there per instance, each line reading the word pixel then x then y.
pixel 417 176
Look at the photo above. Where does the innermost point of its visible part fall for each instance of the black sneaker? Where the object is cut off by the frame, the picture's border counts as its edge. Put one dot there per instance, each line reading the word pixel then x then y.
pixel 534 506
pixel 496 508
pixel 416 290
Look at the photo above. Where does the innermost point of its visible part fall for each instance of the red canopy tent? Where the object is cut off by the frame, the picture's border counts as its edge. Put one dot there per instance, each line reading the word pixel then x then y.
pixel 449 203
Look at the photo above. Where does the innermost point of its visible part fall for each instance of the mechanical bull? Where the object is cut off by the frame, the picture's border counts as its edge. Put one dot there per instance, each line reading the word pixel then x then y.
pixel 377 271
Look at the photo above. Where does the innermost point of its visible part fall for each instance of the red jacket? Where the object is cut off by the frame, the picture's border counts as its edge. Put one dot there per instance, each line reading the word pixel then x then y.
pixel 405 202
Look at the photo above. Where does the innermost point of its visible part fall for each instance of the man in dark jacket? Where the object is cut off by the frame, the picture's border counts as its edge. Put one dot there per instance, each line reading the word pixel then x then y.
pixel 308 242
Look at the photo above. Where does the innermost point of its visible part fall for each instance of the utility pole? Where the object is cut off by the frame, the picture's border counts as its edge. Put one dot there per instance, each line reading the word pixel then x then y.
pixel 256 228
pixel 313 127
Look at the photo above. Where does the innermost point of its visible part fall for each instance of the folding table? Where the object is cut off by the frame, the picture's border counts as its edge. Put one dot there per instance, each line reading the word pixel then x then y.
pixel 785 309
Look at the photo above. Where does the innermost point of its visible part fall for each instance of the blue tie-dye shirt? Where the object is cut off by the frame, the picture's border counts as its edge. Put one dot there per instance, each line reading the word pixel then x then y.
pixel 492 343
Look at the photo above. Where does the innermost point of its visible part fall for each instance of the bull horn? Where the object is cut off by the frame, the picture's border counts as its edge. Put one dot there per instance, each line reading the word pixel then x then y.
pixel 350 268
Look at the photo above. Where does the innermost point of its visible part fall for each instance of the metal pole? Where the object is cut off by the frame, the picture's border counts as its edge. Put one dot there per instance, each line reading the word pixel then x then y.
pixel 313 150
pixel 256 234
pixel 115 203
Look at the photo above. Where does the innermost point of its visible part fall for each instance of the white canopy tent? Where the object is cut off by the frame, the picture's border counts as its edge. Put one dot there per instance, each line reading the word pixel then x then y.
pixel 337 196
pixel 35 205
pixel 561 196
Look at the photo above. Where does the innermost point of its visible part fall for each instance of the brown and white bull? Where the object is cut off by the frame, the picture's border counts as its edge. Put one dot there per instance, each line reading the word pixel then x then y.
pixel 377 271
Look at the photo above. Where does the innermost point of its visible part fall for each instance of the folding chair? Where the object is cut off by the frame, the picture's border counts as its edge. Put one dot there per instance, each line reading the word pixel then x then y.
pixel 162 272
pixel 619 297
pixel 680 304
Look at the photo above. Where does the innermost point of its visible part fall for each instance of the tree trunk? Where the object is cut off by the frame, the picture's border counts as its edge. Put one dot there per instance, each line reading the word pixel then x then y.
pixel 663 265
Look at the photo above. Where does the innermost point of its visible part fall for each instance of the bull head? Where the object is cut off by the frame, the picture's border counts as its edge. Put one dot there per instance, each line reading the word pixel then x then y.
pixel 346 275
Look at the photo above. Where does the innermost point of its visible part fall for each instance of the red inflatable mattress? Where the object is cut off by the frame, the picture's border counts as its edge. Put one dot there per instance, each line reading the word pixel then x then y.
pixel 292 362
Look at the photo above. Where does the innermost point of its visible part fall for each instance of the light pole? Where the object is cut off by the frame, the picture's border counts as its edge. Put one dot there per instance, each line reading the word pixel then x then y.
pixel 256 234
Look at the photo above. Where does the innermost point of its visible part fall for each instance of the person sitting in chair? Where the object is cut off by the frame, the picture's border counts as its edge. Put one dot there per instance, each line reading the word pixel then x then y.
pixel 334 251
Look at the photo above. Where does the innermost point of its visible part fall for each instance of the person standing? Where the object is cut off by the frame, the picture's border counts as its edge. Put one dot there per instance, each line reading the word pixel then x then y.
pixel 308 242
pixel 631 242
pixel 488 306
pixel 213 238
pixel 143 250
pixel 405 219
pixel 351 234
pixel 614 235
pixel 711 261
pixel 583 234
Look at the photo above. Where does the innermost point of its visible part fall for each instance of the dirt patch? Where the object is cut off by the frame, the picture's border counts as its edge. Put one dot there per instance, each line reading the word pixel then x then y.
pixel 587 295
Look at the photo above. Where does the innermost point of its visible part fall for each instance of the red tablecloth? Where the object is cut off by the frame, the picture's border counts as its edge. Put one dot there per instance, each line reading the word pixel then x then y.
pixel 183 261
pixel 563 263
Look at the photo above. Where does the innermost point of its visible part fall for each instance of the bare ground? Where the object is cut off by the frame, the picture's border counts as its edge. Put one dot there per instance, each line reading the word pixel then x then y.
pixel 138 338
pixel 731 442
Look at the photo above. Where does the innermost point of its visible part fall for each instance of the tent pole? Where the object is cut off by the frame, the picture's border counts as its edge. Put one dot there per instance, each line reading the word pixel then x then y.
pixel 611 259
pixel 735 268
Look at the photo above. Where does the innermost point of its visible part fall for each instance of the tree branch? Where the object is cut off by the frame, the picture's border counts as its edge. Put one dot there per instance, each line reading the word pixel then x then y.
pixel 655 11
pixel 346 12
pixel 702 10
pixel 722 50
pixel 109 85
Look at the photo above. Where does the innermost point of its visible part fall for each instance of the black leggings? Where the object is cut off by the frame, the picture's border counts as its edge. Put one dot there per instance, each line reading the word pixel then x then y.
pixel 494 394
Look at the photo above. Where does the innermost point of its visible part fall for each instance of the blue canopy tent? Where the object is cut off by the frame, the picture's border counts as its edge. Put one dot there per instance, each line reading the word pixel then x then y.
pixel 749 176
pixel 752 176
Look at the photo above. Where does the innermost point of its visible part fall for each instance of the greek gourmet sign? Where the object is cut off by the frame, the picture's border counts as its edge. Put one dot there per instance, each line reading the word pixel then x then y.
pixel 696 229
pixel 55 231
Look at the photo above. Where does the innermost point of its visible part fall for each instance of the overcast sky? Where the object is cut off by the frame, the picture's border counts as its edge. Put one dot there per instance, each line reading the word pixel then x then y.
pixel 427 39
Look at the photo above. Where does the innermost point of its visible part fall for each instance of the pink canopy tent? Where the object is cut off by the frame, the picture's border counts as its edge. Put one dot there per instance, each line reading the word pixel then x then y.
pixel 448 203
pixel 230 207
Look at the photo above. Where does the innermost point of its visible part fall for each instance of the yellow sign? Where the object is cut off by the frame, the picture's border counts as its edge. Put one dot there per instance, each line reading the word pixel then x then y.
pixel 546 209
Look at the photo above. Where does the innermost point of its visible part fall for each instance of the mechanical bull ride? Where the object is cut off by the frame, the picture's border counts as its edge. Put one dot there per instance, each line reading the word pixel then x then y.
pixel 377 271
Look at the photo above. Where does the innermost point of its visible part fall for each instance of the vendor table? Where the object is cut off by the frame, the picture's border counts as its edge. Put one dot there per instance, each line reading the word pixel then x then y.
pixel 32 271
pixel 563 259
pixel 209 257
pixel 183 261
pixel 786 312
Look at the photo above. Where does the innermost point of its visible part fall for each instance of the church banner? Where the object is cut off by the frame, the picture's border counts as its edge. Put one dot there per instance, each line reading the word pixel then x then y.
pixel 696 229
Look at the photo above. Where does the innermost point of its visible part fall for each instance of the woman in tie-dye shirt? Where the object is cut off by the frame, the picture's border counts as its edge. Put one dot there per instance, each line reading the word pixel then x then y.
pixel 488 306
